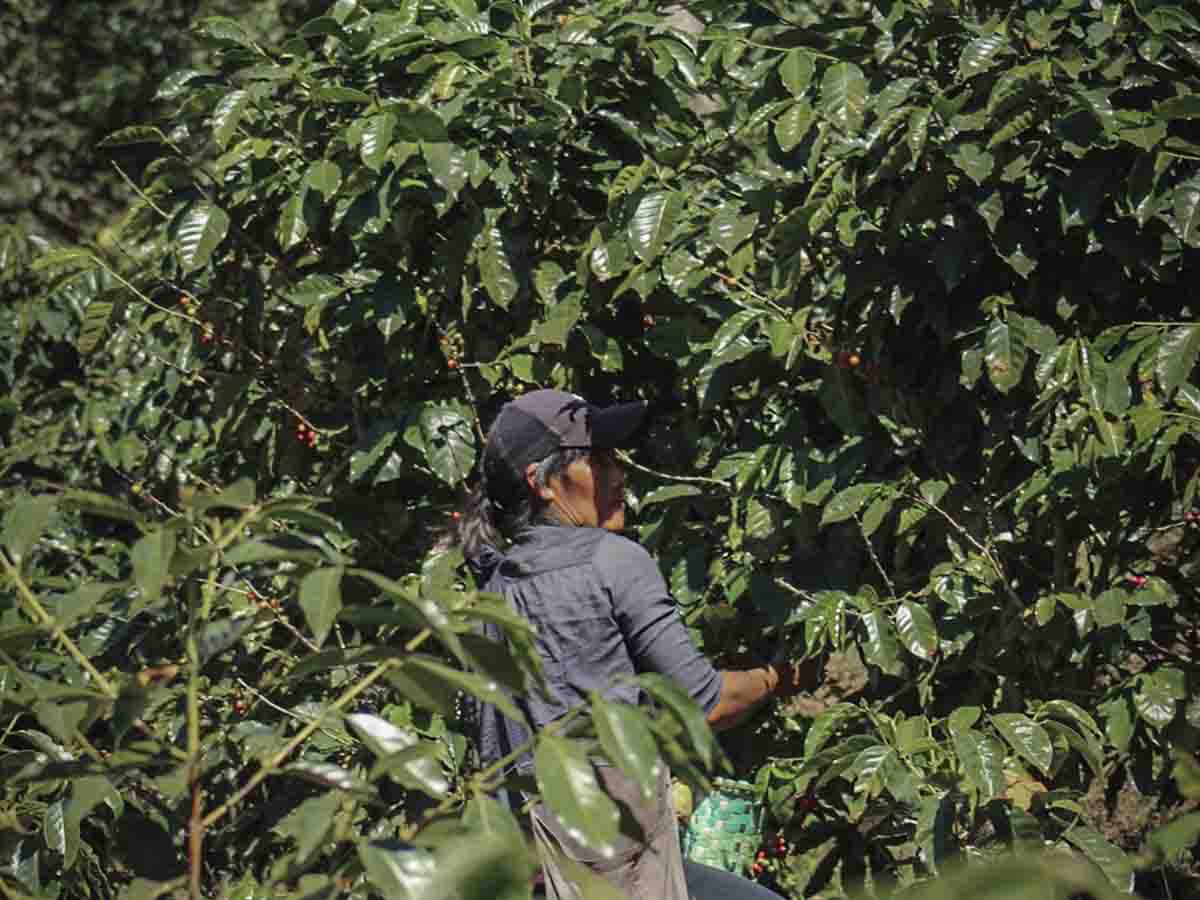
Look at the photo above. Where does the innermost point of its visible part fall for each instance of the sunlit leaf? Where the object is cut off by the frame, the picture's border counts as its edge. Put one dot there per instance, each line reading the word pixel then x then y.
pixel 321 600
pixel 569 787
pixel 201 229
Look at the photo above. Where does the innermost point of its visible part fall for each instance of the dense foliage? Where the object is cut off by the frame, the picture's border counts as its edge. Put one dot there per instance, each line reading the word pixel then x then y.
pixel 905 284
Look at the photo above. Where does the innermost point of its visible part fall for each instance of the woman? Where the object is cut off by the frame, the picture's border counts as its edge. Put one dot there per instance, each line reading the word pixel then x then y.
pixel 542 529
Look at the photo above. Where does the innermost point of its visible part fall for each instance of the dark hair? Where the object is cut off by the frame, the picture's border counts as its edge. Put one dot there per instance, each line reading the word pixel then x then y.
pixel 500 505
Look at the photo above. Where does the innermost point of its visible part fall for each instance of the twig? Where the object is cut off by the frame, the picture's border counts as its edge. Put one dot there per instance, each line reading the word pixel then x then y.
pixel 269 767
pixel 875 558
pixel 682 479
pixel 45 620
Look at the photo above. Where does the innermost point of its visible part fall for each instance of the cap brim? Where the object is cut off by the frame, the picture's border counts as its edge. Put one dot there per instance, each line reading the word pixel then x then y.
pixel 613 426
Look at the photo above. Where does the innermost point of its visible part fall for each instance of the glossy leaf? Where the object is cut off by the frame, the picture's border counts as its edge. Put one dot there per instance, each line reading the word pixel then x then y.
pixel 151 557
pixel 569 787
pixel 1177 355
pixel 376 139
pixel 1028 738
pixel 450 681
pixel 1110 858
pixel 628 742
pixel 448 165
pixel 200 231
pixel 844 96
pixel 24 523
pixel 915 627
pixel 847 503
pixel 652 223
pixel 796 71
pixel 1005 354
pixel 496 268
pixel 321 601
pixel 228 115
pixel 880 647
pixel 980 55
pixel 686 712
pixel 982 760
pixel 1187 212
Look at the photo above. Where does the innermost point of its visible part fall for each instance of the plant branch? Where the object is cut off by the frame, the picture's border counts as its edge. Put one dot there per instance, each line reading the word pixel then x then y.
pixel 44 619
pixel 271 765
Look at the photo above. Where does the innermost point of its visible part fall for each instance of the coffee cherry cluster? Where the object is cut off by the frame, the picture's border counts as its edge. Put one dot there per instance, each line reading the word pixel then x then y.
pixel 1136 580
pixel 771 849
pixel 305 434
pixel 1192 517
pixel 453 346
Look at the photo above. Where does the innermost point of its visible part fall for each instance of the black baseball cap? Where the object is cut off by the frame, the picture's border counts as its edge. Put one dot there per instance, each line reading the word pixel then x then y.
pixel 538 423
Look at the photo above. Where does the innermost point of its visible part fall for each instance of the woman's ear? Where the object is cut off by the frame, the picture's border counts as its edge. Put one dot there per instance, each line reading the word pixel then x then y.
pixel 545 492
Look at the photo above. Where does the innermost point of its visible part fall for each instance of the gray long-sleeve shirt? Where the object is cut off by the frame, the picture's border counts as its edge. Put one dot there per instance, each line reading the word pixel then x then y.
pixel 602 610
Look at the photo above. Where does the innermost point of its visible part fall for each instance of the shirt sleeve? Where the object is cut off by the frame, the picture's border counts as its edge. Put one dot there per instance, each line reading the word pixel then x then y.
pixel 650 623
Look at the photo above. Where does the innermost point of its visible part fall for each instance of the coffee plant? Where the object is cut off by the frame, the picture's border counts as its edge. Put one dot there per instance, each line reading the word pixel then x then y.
pixel 906 287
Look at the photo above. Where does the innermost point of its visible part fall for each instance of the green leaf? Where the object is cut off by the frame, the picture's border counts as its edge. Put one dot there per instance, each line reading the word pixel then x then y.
pixel 628 742
pixel 982 760
pixel 569 787
pixel 54 828
pixel 321 600
pixel 980 55
pixel 292 227
pixel 1155 702
pixel 24 522
pixel 846 503
pixel 228 115
pixel 376 140
pixel 1110 858
pixel 669 492
pixel 652 222
pixel 1028 738
pixel 880 647
pixel 448 165
pixel 399 872
pixel 496 268
pixel 1183 106
pixel 329 775
pixel 1187 212
pixel 401 754
pixel 976 162
pixel 133 135
pixel 151 557
pixel 1087 746
pixel 1167 843
pixel 449 680
pixel 310 823
pixel 1109 607
pixel 87 793
pixel 224 30
pixel 200 230
pixel 686 712
pixel 448 441
pixel 325 177
pixel 1005 354
pixel 96 320
pixel 793 124
pixel 917 632
pixel 219 635
pixel 844 96
pixel 728 229
pixel 1176 356
pixel 796 71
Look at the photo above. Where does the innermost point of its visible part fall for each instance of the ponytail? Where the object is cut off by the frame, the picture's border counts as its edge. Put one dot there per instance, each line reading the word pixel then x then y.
pixel 499 507
pixel 478 529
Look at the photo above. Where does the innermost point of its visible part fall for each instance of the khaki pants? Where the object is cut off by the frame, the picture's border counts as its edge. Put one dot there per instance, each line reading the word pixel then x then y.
pixel 649 869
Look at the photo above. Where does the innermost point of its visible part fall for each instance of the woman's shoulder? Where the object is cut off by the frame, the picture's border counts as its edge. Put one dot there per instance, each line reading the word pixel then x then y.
pixel 620 553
